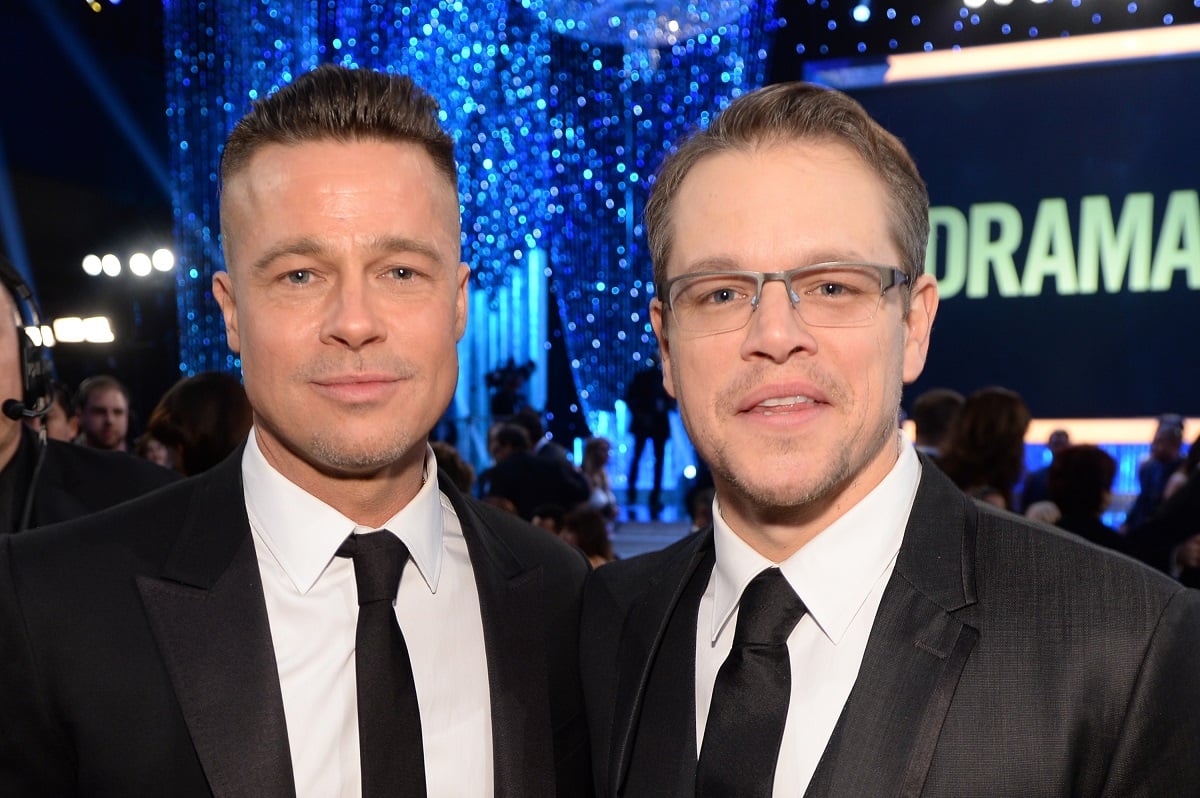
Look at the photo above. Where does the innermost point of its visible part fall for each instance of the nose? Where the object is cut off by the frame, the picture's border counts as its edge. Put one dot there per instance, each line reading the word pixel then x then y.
pixel 352 315
pixel 775 330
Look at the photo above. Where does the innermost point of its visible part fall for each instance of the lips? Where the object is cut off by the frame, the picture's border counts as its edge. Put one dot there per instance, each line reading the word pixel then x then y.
pixel 780 399
pixel 357 388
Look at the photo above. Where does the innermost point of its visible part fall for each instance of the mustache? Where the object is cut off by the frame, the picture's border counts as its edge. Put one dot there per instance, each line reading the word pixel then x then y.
pixel 340 366
pixel 731 395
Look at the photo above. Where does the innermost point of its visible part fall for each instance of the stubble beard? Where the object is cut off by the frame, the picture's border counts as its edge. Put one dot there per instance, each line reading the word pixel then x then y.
pixel 341 457
pixel 789 502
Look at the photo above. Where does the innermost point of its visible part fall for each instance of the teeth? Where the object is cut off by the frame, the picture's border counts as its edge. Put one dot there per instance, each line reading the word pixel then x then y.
pixel 787 401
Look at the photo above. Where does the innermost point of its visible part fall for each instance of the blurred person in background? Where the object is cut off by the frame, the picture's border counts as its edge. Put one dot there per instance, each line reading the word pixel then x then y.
pixel 201 420
pixel 102 405
pixel 985 454
pixel 1155 471
pixel 44 480
pixel 1033 487
pixel 587 528
pixel 1186 470
pixel 1080 485
pixel 933 415
pixel 596 453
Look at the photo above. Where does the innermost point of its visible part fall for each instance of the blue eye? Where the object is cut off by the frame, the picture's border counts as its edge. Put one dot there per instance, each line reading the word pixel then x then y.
pixel 299 277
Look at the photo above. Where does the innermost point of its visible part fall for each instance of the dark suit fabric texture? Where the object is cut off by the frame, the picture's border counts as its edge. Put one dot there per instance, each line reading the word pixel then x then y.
pixel 137 656
pixel 1006 659
pixel 74 481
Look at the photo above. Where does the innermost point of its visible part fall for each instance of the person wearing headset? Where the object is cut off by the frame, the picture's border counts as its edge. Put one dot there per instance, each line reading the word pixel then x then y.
pixel 43 480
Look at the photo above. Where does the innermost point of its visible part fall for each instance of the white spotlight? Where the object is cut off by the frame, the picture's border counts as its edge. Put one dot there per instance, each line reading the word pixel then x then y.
pixel 139 264
pixel 163 259
pixel 974 3
pixel 861 12
pixel 97 330
pixel 92 265
pixel 111 265
pixel 69 329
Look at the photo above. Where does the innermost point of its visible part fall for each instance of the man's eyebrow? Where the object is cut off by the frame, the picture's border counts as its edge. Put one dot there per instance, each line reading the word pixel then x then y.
pixel 403 244
pixel 726 263
pixel 305 246
pixel 309 246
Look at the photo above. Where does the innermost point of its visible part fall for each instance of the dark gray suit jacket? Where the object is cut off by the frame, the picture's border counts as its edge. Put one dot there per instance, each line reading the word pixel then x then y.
pixel 1006 659
pixel 137 659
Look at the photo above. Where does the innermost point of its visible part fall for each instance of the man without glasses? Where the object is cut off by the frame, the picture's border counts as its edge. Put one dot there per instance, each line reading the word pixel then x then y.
pixel 323 613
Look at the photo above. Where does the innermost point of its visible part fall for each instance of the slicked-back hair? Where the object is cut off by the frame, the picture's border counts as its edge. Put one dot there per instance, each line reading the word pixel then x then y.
pixel 796 111
pixel 337 103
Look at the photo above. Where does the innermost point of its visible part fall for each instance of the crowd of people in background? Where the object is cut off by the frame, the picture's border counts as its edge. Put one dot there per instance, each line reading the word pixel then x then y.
pixel 978 440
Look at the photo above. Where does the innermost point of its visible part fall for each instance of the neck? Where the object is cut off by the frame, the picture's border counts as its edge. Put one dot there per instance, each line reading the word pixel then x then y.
pixel 368 498
pixel 779 531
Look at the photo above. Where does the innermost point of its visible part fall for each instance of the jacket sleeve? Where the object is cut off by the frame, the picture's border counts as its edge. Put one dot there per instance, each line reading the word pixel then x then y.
pixel 1158 751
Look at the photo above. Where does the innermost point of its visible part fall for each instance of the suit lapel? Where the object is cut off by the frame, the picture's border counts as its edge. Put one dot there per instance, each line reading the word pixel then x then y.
pixel 641 638
pixel 514 624
pixel 884 742
pixel 209 617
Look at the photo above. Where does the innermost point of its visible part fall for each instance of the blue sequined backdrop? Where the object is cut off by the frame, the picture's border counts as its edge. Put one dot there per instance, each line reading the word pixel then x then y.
pixel 561 117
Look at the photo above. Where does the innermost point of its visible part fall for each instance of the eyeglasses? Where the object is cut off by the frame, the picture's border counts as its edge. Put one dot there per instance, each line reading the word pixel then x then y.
pixel 824 294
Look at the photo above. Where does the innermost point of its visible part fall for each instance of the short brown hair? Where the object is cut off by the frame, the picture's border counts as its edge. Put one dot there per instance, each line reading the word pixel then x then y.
pixel 797 112
pixel 342 104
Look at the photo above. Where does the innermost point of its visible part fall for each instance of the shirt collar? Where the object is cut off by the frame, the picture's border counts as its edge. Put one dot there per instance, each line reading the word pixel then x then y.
pixel 834 572
pixel 303 533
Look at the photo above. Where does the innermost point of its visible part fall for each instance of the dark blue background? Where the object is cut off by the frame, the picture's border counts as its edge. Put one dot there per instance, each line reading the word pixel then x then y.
pixel 1114 130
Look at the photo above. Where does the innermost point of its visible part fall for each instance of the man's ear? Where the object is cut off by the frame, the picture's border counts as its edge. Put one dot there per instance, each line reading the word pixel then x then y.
pixel 664 345
pixel 461 303
pixel 222 288
pixel 918 325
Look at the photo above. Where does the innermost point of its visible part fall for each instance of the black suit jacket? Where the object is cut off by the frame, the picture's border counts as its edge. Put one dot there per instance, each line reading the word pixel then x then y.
pixel 137 655
pixel 74 481
pixel 1006 659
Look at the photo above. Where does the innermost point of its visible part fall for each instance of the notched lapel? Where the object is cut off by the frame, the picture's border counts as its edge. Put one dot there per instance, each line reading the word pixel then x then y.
pixel 641 637
pixel 885 740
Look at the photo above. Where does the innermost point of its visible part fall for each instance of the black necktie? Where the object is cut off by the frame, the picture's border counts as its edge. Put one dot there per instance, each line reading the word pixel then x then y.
pixel 389 721
pixel 751 694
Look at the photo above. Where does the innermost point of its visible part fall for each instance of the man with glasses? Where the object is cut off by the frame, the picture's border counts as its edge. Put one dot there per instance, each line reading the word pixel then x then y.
pixel 852 624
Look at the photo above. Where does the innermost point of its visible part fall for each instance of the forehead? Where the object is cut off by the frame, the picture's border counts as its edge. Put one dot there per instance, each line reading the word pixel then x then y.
pixel 332 185
pixel 106 397
pixel 791 202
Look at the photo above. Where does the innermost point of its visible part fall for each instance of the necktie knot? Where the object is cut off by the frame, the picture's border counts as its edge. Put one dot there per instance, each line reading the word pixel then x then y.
pixel 379 560
pixel 768 611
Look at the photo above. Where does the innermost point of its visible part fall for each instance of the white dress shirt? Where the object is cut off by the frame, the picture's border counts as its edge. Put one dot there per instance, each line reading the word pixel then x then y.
pixel 840 576
pixel 312 606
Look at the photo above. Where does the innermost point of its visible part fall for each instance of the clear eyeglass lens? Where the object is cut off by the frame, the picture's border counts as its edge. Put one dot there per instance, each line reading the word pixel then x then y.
pixel 839 296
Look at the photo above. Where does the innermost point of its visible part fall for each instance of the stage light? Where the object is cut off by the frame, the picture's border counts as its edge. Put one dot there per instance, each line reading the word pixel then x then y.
pixel 98 330
pixel 139 264
pixel 861 12
pixel 69 329
pixel 111 265
pixel 163 259
pixel 92 265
